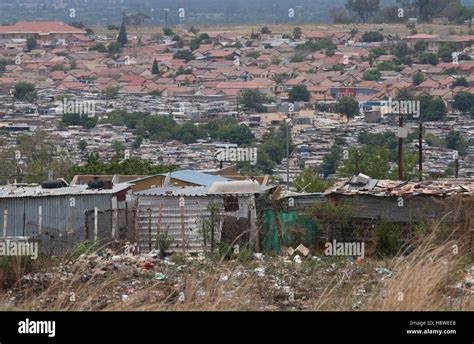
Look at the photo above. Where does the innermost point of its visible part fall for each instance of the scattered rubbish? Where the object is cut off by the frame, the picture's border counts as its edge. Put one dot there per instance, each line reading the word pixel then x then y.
pixel 357 305
pixel 260 272
pixel 147 266
pixel 258 256
pixel 224 278
pixel 297 259
pixel 200 293
pixel 383 271
pixel 124 298
pixel 161 277
pixel 303 250
pixel 359 261
pixel 290 250
pixel 318 259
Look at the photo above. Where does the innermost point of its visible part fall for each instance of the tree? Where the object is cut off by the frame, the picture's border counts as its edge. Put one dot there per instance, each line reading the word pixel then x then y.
pixel 168 31
pixel 432 108
pixel 184 54
pixel 460 82
pixel 372 36
pixel 155 70
pixel 265 30
pixel 132 166
pixel 112 92
pixel 372 75
pixel 455 141
pixel 427 58
pixel 330 161
pixel 25 92
pixel 339 15
pixel 82 145
pixel 39 152
pixel 463 102
pixel 118 147
pixel 297 32
pixel 122 36
pixel 299 93
pixel 420 46
pixel 195 43
pixel 446 51
pixel 4 63
pixel 251 99
pixel 363 8
pixel 114 48
pixel 374 162
pixel 101 48
pixel 418 78
pixel 348 106
pixel 137 142
pixel 390 14
pixel 31 43
pixel 308 181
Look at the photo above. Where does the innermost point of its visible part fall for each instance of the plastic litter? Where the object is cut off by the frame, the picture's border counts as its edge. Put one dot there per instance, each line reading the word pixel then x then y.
pixel 260 272
pixel 161 277
pixel 297 259
pixel 383 271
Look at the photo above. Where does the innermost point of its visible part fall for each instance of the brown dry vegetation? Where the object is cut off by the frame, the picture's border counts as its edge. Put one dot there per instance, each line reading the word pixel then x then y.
pixel 430 277
pixel 393 29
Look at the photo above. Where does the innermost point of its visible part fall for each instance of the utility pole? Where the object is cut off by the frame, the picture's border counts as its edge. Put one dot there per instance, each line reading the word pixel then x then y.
pixel 456 166
pixel 400 149
pixel 420 150
pixel 357 159
pixel 166 17
pixel 287 154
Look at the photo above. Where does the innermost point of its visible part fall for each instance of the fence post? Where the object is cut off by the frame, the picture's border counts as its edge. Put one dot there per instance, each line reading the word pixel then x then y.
pixel 149 229
pixel 114 217
pixel 96 223
pixel 5 222
pixel 40 219
pixel 183 235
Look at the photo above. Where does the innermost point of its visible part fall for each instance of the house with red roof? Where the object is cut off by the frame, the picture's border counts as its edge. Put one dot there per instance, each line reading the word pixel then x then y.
pixel 432 41
pixel 44 30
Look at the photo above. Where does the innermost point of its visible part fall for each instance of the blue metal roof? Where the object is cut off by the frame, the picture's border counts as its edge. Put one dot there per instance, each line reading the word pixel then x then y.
pixel 198 178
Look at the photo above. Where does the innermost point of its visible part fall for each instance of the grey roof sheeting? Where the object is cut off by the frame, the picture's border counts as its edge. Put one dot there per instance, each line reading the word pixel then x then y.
pixel 14 191
pixel 175 191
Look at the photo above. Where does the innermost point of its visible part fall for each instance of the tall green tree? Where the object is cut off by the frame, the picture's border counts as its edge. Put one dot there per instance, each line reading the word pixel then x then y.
pixel 364 9
pixel 122 38
pixel 348 106
pixel 155 69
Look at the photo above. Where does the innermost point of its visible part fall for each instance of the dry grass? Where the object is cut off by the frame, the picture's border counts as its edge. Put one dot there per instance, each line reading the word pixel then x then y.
pixel 394 29
pixel 420 280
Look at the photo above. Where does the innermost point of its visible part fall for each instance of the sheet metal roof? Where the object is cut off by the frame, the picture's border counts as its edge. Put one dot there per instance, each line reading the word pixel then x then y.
pixel 442 187
pixel 175 191
pixel 195 177
pixel 16 191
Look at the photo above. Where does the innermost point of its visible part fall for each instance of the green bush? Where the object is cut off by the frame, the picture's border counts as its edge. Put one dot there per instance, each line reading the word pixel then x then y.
pixel 386 239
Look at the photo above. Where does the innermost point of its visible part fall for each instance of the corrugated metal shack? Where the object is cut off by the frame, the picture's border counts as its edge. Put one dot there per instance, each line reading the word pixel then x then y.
pixel 287 221
pixel 180 211
pixel 408 202
pixel 59 216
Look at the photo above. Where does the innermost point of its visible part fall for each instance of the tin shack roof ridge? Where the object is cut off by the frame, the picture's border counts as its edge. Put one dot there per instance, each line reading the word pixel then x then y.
pixel 387 187
pixel 14 191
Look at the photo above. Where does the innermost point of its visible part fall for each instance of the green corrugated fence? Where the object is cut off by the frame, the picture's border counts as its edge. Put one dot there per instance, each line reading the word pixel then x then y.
pixel 296 229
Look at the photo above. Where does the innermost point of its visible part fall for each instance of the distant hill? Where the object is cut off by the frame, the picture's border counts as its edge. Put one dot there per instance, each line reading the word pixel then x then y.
pixel 198 12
